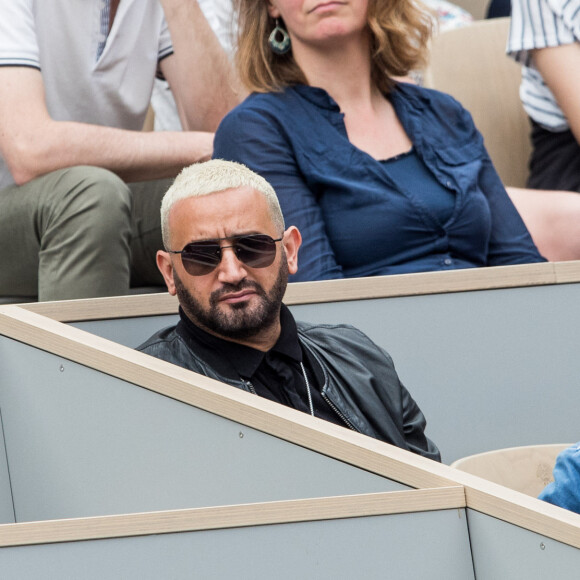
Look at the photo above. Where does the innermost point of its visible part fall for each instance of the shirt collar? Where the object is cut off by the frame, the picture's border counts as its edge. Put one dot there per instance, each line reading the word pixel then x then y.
pixel 317 96
pixel 244 359
pixel 320 98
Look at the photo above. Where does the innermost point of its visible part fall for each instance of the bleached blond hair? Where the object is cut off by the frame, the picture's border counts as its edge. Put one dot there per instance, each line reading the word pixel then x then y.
pixel 212 177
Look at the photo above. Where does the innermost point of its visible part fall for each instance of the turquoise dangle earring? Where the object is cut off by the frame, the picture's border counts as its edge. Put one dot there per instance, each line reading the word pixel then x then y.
pixel 279 40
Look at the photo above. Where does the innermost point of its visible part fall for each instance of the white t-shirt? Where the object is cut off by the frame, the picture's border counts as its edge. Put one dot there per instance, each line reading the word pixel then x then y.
pixel 88 76
pixel 541 24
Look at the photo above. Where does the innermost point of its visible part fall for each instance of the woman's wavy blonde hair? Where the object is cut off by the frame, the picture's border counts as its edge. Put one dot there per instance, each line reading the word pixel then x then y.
pixel 399 30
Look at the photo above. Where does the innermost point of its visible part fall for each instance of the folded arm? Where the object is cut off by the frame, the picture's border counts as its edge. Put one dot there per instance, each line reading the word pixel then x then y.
pixel 510 241
pixel 33 144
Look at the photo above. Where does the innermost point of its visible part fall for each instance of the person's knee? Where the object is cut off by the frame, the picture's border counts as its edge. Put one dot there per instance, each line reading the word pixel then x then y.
pixel 99 188
pixel 95 197
pixel 85 241
pixel 553 219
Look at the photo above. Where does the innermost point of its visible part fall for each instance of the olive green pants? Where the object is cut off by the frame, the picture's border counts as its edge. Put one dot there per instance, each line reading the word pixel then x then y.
pixel 79 232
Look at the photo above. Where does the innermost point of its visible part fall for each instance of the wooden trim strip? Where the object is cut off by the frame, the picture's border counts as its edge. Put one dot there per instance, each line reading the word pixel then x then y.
pixel 519 509
pixel 236 516
pixel 423 283
pixel 105 308
pixel 567 271
pixel 331 290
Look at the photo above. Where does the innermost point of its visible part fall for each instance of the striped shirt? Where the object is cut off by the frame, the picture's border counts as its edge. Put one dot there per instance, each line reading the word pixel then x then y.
pixel 541 24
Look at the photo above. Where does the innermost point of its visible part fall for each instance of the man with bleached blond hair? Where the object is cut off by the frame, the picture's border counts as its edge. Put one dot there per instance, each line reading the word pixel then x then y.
pixel 227 257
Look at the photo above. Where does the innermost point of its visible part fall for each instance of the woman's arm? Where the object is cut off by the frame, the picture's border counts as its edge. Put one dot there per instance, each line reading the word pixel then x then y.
pixel 471 167
pixel 510 241
pixel 257 140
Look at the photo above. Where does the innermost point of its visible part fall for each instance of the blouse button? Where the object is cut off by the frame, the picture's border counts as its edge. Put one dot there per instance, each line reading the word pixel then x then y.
pixel 448 261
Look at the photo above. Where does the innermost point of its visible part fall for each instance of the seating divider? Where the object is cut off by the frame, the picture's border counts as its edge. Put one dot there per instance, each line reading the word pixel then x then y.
pixel 341 537
pixel 96 431
pixel 127 447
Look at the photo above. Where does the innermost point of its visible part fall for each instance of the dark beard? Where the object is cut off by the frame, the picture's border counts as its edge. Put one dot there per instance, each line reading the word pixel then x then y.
pixel 238 322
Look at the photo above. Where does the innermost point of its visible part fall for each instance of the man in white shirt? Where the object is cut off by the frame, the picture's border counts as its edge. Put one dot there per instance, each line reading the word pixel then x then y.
pixel 75 83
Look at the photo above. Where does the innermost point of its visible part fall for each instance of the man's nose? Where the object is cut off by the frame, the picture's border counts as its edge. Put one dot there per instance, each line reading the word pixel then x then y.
pixel 230 269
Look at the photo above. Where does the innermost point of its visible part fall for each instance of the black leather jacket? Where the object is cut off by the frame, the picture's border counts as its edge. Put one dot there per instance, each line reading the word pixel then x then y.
pixel 360 381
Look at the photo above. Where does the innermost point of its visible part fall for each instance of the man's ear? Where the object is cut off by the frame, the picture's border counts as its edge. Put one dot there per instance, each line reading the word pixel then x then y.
pixel 292 240
pixel 165 266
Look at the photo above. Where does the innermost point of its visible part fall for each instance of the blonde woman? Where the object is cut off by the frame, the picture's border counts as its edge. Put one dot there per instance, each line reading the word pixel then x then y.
pixel 380 176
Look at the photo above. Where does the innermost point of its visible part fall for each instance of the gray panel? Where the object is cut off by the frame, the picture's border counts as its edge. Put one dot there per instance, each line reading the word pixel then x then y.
pixel 499 367
pixel 83 443
pixel 6 507
pixel 478 363
pixel 429 545
pixel 502 550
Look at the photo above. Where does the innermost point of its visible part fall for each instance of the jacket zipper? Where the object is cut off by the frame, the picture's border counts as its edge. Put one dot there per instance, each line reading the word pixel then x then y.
pixel 325 397
pixel 340 415
pixel 250 386
pixel 329 402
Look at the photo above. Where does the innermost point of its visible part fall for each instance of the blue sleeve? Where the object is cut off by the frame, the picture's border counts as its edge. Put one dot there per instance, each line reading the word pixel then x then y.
pixel 510 242
pixel 564 491
pixel 256 139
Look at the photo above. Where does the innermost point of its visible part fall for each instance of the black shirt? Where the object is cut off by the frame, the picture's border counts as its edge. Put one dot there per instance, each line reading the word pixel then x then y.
pixel 276 374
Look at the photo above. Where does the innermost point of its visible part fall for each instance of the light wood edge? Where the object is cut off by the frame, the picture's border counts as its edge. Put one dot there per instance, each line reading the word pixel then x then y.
pixel 285 423
pixel 105 308
pixel 235 516
pixel 567 272
pixel 472 279
pixel 519 509
pixel 421 284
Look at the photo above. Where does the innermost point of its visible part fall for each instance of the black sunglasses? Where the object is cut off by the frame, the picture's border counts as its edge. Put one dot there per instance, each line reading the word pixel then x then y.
pixel 254 250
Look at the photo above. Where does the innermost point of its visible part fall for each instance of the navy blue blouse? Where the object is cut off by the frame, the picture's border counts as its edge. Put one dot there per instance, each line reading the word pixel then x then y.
pixel 362 217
